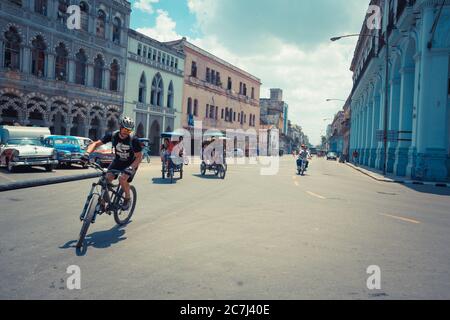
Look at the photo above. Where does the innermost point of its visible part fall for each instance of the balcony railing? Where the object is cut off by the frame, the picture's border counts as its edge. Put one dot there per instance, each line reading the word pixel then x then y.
pixel 155 109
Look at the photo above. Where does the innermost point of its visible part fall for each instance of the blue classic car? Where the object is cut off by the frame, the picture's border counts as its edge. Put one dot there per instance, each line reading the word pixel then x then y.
pixel 68 149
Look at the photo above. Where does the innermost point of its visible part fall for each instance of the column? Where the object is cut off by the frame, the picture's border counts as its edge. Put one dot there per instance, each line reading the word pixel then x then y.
pixel 380 149
pixel 25 64
pixel 71 71
pixel 363 133
pixel 369 132
pixel 90 75
pixel 375 128
pixel 394 109
pixel 50 66
pixel 106 79
pixel 405 121
pixel 2 62
pixel 431 123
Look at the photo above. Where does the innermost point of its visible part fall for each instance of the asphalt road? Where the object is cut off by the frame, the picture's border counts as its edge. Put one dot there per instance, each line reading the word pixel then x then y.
pixel 246 237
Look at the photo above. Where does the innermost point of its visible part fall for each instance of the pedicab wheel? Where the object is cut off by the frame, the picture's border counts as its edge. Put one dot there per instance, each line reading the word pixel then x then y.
pixel 171 173
pixel 217 171
pixel 203 168
pixel 88 219
pixel 163 173
pixel 181 173
pixel 123 217
pixel 222 172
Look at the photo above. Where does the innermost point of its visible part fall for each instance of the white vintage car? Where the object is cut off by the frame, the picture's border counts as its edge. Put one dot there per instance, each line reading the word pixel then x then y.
pixel 22 146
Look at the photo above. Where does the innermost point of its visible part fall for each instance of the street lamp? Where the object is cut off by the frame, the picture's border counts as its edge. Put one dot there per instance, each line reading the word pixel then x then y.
pixel 385 41
pixel 328 100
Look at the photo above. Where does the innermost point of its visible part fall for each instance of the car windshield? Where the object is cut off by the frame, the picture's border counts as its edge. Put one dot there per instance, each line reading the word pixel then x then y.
pixel 66 141
pixel 25 142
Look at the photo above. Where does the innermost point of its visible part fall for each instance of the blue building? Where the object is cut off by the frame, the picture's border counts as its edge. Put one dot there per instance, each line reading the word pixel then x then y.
pixel 418 90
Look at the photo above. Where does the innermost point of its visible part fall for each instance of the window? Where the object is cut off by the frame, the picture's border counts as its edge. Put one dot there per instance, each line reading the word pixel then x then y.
pixel 40 6
pixel 170 96
pixel 230 84
pixel 176 63
pixel 226 114
pixel 213 77
pixel 114 76
pixel 117 26
pixel 240 88
pixel 207 74
pixel 157 91
pixel 101 20
pixel 164 58
pixel 84 12
pixel 159 56
pixel 12 49
pixel 139 50
pixel 207 111
pixel 253 93
pixel 242 117
pixel 189 106
pixel 149 55
pixel 217 112
pixel 218 83
pixel 154 55
pixel 194 69
pixel 142 89
pixel 62 8
pixel 234 116
pixel 245 89
pixel 80 67
pixel 196 108
pixel 222 114
pixel 211 112
pixel 171 62
pixel 61 62
pixel 239 117
pixel 38 56
pixel 98 72
pixel 18 2
pixel 144 54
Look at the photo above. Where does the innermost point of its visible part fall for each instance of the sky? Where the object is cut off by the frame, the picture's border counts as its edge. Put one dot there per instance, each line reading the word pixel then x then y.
pixel 285 43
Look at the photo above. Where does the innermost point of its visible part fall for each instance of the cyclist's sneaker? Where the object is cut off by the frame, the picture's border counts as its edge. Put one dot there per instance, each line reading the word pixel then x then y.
pixel 126 204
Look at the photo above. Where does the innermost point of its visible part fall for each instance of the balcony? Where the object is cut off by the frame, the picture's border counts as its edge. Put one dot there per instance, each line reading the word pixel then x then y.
pixel 155 109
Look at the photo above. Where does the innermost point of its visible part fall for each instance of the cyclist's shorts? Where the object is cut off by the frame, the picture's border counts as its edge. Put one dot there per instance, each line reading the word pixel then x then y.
pixel 121 166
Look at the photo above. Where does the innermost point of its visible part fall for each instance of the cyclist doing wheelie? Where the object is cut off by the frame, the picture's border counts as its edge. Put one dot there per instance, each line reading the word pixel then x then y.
pixel 128 151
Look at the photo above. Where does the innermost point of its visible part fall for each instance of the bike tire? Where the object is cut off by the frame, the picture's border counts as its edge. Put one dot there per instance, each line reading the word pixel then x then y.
pixel 88 219
pixel 122 222
pixel 222 173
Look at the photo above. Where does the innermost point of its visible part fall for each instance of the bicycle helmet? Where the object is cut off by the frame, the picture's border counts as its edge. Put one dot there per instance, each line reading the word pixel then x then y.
pixel 127 123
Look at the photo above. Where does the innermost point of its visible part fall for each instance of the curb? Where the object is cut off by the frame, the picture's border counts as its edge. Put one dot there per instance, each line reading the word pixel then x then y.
pixel 44 182
pixel 414 182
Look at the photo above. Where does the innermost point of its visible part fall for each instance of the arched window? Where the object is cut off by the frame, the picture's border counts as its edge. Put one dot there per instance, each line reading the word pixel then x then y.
pixel 40 6
pixel 12 49
pixel 61 62
pixel 189 106
pixel 84 11
pixel 62 9
pixel 18 2
pixel 117 26
pixel 114 78
pixel 157 91
pixel 142 89
pixel 101 20
pixel 99 65
pixel 38 56
pixel 170 96
pixel 80 67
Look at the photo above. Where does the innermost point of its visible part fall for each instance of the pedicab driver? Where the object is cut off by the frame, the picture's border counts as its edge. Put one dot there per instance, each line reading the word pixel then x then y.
pixel 128 152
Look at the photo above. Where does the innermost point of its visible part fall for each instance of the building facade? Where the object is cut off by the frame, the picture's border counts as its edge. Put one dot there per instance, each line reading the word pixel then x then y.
pixel 69 80
pixel 336 138
pixel 154 87
pixel 274 114
pixel 417 113
pixel 217 93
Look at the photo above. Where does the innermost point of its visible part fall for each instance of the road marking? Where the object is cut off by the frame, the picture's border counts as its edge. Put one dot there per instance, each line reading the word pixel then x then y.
pixel 315 195
pixel 400 218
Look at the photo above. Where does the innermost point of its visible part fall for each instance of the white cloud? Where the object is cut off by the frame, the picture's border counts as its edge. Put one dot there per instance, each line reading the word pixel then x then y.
pixel 164 29
pixel 145 5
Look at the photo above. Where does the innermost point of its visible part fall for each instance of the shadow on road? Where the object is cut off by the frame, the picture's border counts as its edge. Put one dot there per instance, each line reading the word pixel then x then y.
pixel 440 191
pixel 99 240
pixel 207 176
pixel 164 181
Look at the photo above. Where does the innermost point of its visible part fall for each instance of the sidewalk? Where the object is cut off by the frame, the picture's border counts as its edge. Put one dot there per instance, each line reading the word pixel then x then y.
pixel 390 178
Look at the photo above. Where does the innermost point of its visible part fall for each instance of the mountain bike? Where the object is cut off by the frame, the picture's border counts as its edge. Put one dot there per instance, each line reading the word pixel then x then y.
pixel 108 198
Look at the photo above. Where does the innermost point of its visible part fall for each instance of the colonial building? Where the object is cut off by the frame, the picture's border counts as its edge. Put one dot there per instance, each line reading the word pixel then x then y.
pixel 217 93
pixel 336 139
pixel 274 114
pixel 154 87
pixel 69 80
pixel 418 104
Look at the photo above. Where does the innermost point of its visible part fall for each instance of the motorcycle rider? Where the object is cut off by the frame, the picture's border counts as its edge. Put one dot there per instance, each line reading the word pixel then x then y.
pixel 303 155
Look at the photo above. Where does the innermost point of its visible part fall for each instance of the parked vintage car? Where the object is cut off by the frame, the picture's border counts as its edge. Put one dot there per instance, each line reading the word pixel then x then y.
pixel 67 148
pixel 84 142
pixel 103 155
pixel 22 146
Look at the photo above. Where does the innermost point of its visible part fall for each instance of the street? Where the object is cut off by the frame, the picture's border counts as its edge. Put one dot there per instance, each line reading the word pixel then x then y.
pixel 245 237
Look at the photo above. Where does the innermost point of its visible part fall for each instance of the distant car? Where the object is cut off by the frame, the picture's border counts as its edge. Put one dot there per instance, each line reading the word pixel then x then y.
pixel 84 142
pixel 313 151
pixel 331 156
pixel 238 153
pixel 67 148
pixel 103 155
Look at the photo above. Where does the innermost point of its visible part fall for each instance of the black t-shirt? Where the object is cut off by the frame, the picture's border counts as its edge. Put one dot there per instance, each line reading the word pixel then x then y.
pixel 125 148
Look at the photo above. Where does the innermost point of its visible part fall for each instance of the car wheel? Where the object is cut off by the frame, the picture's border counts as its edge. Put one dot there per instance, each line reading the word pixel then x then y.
pixel 49 168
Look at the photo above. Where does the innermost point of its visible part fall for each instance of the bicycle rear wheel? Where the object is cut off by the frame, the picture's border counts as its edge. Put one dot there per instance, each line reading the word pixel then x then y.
pixel 123 217
pixel 92 208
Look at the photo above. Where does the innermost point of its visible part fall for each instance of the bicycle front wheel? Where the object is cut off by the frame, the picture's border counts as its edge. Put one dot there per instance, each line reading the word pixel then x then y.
pixel 92 208
pixel 123 217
